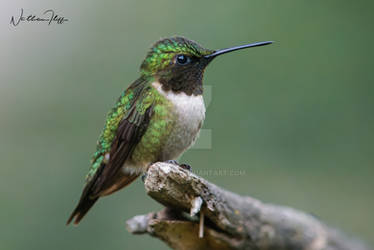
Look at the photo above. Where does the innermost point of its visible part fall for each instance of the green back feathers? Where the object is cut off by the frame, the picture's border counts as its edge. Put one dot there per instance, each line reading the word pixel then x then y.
pixel 163 52
pixel 116 114
pixel 160 56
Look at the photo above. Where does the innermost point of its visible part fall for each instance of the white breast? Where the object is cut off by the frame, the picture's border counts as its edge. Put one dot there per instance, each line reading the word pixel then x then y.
pixel 190 111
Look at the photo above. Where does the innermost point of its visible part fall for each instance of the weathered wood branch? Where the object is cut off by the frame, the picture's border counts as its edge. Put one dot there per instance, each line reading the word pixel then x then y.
pixel 231 221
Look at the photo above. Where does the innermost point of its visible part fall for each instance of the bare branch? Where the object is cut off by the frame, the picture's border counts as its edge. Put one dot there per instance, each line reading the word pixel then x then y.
pixel 231 221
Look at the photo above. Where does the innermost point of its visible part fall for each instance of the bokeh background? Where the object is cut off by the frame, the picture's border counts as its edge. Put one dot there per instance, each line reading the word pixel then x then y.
pixel 294 118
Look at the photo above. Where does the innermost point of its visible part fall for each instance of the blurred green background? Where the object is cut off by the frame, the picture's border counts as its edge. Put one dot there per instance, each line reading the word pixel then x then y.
pixel 296 117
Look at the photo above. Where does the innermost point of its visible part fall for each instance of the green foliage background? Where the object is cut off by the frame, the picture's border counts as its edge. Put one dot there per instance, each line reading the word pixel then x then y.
pixel 295 117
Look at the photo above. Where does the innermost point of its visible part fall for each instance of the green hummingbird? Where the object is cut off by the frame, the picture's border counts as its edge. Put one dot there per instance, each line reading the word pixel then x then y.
pixel 156 118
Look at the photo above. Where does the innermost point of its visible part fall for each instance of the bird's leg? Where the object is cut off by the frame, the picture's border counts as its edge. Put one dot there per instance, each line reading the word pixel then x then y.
pixel 183 165
pixel 172 162
pixel 186 166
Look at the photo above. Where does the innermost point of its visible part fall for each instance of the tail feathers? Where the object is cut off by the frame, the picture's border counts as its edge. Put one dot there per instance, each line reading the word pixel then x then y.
pixel 82 208
pixel 87 200
pixel 93 191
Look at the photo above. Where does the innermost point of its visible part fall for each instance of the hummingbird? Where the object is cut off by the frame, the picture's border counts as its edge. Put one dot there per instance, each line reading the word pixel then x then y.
pixel 157 118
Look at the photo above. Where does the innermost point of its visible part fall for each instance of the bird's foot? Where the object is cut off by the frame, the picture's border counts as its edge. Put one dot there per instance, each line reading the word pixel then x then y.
pixel 186 166
pixel 183 165
pixel 172 162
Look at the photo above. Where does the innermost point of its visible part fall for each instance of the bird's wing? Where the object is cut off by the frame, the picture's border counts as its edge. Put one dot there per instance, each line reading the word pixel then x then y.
pixel 121 134
pixel 129 132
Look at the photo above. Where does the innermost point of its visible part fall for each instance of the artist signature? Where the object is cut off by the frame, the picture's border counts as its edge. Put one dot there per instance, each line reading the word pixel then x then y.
pixel 49 16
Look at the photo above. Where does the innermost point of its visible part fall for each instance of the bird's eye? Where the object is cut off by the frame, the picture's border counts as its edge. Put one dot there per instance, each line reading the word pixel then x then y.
pixel 183 59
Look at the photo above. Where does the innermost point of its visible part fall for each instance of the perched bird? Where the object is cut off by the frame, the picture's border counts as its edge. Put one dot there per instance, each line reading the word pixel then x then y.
pixel 156 118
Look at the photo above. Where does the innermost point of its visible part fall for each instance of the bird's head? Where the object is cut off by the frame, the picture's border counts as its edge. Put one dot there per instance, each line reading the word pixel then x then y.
pixel 179 63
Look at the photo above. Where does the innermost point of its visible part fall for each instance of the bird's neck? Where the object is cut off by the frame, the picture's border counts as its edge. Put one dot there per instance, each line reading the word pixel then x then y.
pixel 169 93
pixel 189 83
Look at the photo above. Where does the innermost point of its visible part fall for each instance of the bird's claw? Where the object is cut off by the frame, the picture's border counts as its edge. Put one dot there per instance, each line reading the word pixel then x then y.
pixel 172 162
pixel 186 166
pixel 183 165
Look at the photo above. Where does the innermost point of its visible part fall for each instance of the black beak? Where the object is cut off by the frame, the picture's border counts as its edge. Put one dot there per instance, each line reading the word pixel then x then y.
pixel 223 51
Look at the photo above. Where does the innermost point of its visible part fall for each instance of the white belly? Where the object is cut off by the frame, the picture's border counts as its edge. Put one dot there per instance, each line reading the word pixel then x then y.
pixel 190 113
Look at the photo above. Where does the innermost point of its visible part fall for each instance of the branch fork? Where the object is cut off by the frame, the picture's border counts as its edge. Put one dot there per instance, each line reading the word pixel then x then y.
pixel 227 220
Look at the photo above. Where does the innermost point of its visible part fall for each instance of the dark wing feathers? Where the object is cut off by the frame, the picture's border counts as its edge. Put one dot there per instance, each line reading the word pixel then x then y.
pixel 86 201
pixel 128 134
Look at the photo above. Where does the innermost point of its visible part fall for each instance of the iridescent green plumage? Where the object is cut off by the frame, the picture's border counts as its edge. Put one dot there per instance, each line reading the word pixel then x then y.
pixel 140 95
pixel 138 126
pixel 156 118
pixel 158 58
pixel 162 53
pixel 152 140
pixel 122 106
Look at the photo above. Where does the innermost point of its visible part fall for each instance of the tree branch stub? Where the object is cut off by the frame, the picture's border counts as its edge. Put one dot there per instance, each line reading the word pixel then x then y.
pixel 231 221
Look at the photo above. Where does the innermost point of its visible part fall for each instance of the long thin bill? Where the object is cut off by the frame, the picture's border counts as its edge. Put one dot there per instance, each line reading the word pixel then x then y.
pixel 224 51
